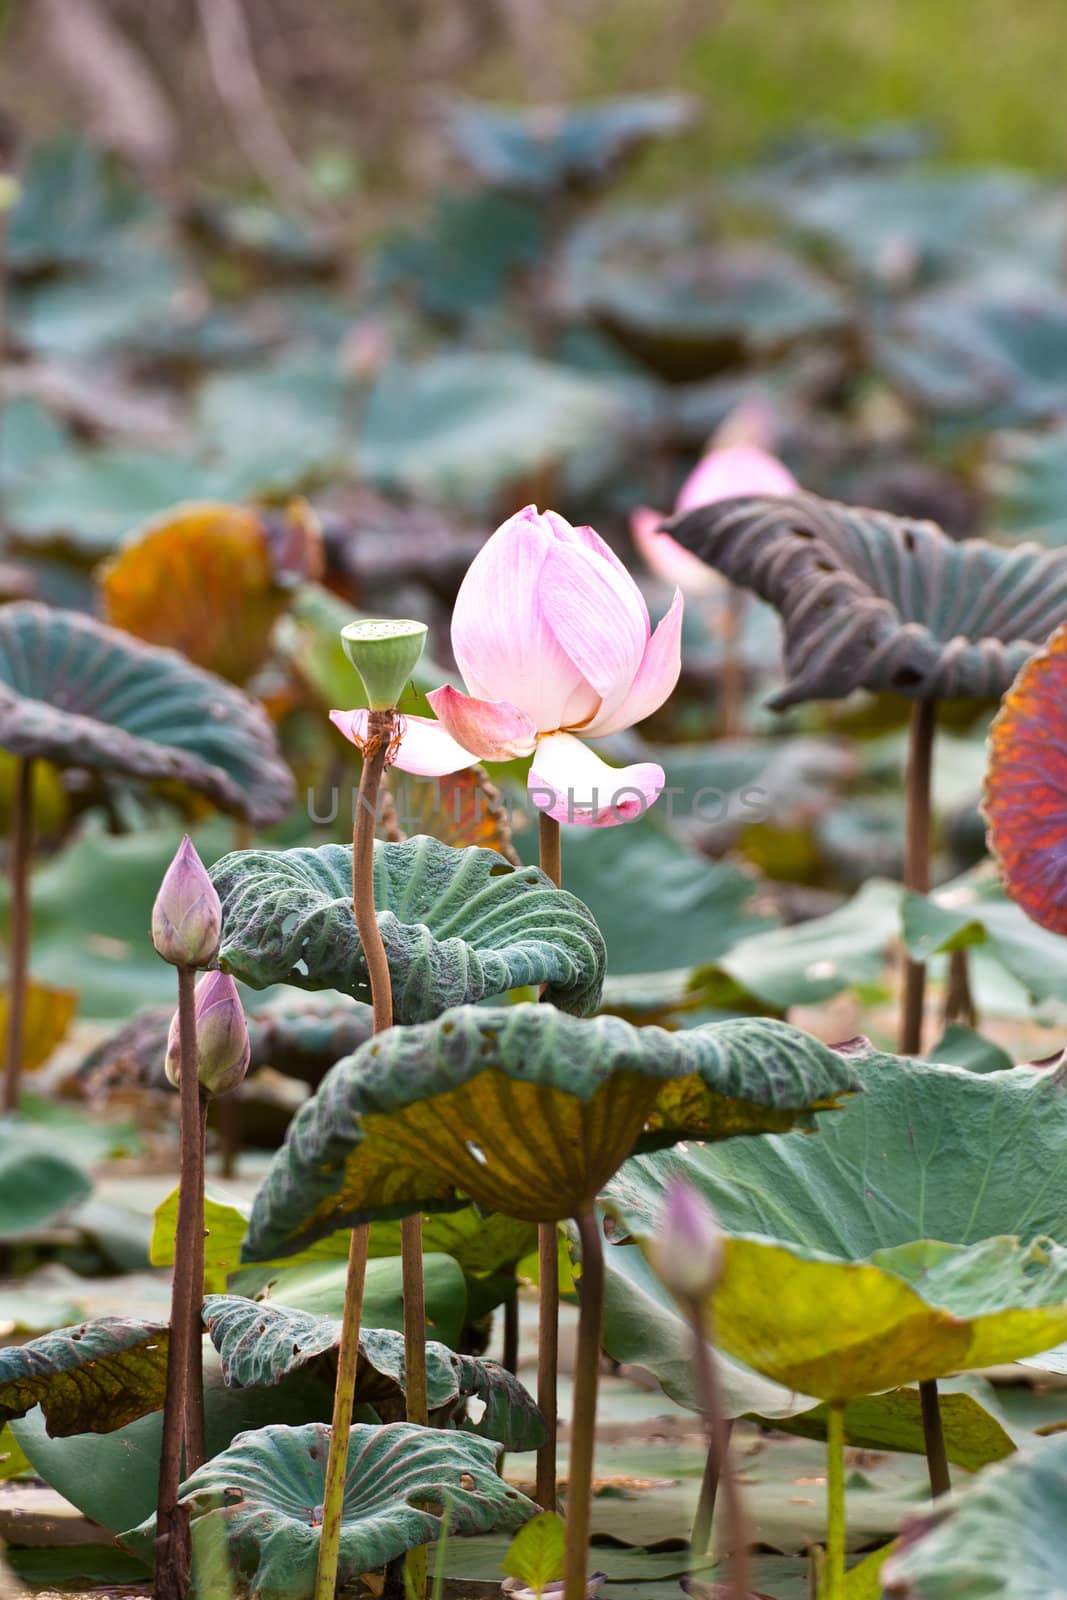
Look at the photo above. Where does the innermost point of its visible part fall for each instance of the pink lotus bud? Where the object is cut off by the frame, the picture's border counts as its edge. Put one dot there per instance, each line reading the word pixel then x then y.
pixel 187 915
pixel 686 1250
pixel 221 1035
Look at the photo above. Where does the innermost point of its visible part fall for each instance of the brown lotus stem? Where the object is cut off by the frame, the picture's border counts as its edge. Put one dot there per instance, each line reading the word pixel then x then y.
pixel 546 1492
pixel 832 1586
pixel 195 1447
pixel 18 967
pixel 732 665
pixel 583 1414
pixel 185 1394
pixel 709 1493
pixel 917 861
pixel 718 1471
pixel 380 730
pixel 510 1357
pixel 959 999
pixel 934 1439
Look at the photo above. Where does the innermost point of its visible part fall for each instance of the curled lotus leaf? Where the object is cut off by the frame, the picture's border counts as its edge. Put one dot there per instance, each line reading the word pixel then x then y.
pixel 458 926
pixel 523 1110
pixel 91 1378
pixel 259 1344
pixel 1026 787
pixel 926 1278
pixel 873 601
pixel 81 694
pixel 1003 1534
pixel 265 1494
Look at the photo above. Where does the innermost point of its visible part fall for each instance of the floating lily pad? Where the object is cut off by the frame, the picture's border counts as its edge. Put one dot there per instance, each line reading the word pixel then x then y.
pixel 259 1344
pixel 1004 1535
pixel 458 926
pixel 85 695
pixel 92 1378
pixel 523 1110
pixel 544 148
pixel 265 1493
pixel 877 602
pixel 974 912
pixel 1024 799
pixel 89 499
pixel 923 1276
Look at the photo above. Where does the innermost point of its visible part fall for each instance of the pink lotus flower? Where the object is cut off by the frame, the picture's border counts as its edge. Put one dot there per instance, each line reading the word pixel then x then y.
pixel 726 471
pixel 553 640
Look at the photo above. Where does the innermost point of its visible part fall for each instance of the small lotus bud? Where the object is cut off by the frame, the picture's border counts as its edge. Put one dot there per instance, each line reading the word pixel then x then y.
pixel 221 1036
pixel 187 915
pixel 686 1250
pixel 385 654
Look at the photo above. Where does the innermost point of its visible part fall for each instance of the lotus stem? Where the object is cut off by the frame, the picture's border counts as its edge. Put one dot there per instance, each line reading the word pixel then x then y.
pixel 732 669
pixel 718 1471
pixel 700 1542
pixel 934 1438
pixel 380 731
pixel 195 1446
pixel 917 860
pixel 959 999
pixel 183 1411
pixel 546 1492
pixel 510 1360
pixel 21 854
pixel 833 1584
pixel 583 1415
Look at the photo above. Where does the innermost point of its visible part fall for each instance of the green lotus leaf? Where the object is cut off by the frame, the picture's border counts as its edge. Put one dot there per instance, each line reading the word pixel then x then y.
pixel 81 694
pixel 523 1110
pixel 872 601
pixel 539 149
pixel 259 1344
pixel 458 926
pixel 37 1181
pixel 92 1378
pixel 644 1326
pixel 265 1494
pixel 923 1275
pixel 1005 1534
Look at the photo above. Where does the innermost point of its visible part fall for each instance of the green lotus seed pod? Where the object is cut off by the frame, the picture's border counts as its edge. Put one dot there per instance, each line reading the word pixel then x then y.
pixel 385 654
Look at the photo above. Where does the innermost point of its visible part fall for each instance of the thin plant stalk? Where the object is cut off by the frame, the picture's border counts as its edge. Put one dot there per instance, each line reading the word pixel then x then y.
pixel 183 1399
pixel 18 971
pixel 718 1469
pixel 583 1414
pixel 917 878
pixel 380 730
pixel 917 860
pixel 934 1438
pixel 732 664
pixel 833 1567
pixel 195 1446
pixel 546 1494
pixel 709 1494
pixel 959 997
pixel 510 1355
